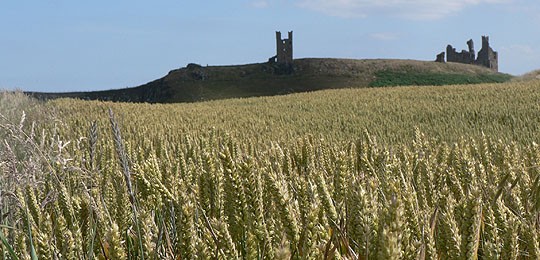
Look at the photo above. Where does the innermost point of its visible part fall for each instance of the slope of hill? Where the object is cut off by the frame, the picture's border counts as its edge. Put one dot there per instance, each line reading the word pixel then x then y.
pixel 198 83
pixel 533 75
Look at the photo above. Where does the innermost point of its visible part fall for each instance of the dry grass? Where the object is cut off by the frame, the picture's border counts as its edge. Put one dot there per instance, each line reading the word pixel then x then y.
pixel 533 75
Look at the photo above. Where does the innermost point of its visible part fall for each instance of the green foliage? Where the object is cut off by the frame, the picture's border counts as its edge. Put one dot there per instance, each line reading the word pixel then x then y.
pixel 389 78
pixel 6 245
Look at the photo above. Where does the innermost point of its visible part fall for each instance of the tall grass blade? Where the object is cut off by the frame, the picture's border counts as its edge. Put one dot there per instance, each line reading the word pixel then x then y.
pixel 7 245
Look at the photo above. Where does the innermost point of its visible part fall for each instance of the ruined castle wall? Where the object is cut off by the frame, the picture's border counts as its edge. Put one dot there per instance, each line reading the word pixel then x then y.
pixel 487 57
pixel 284 48
pixel 461 57
pixel 440 57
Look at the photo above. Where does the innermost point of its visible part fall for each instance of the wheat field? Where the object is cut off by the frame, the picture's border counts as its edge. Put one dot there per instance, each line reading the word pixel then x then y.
pixel 447 172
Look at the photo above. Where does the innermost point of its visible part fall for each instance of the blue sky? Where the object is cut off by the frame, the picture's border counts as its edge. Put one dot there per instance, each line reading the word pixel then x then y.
pixel 75 45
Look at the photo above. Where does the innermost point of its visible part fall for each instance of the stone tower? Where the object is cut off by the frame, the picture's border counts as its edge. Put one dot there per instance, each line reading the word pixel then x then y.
pixel 284 48
pixel 472 54
pixel 487 57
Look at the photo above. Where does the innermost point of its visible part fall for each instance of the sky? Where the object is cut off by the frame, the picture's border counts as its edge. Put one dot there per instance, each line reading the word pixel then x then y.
pixel 75 45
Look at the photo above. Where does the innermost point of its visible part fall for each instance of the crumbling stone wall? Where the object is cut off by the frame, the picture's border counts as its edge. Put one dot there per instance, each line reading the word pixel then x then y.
pixel 461 57
pixel 440 57
pixel 486 56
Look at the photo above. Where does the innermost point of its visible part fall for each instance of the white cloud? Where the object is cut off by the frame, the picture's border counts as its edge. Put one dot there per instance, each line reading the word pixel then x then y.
pixel 259 4
pixel 523 51
pixel 385 36
pixel 409 9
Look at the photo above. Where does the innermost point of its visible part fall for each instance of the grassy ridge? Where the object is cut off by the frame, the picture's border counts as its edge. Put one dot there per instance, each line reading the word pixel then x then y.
pixel 201 83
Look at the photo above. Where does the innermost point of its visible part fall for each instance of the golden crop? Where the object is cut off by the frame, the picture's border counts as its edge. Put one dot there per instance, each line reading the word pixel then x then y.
pixel 399 173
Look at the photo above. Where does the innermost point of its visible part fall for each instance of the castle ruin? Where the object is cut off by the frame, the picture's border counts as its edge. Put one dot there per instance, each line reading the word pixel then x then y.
pixel 284 49
pixel 486 56
pixel 467 57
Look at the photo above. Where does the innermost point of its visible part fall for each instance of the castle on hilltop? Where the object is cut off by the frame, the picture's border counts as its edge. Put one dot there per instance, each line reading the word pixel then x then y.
pixel 487 57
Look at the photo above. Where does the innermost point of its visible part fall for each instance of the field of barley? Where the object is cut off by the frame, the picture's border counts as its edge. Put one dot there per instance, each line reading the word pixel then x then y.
pixel 446 172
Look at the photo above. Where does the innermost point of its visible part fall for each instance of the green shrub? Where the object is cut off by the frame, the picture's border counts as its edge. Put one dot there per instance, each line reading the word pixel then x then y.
pixel 391 78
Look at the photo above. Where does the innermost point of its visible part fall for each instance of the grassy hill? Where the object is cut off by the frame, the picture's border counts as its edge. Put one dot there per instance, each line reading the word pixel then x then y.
pixel 199 83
